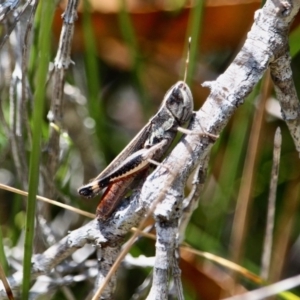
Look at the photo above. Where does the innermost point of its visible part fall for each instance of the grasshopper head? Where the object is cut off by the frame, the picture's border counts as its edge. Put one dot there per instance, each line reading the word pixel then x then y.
pixel 179 101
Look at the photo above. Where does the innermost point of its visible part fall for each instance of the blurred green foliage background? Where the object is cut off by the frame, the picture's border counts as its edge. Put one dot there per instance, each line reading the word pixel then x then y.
pixel 125 57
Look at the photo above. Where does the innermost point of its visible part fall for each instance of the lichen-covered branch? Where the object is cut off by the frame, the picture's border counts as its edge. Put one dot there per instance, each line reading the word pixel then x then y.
pixel 266 42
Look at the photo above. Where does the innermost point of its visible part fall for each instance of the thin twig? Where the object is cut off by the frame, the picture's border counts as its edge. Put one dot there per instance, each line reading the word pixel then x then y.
pixel 12 27
pixel 6 285
pixel 61 64
pixel 47 200
pixel 268 242
pixel 269 290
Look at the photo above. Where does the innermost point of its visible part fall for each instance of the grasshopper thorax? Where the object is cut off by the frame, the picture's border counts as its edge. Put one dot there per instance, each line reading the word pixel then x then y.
pixel 179 102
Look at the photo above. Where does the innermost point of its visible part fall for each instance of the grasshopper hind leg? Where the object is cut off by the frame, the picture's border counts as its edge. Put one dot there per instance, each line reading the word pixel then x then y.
pixel 93 188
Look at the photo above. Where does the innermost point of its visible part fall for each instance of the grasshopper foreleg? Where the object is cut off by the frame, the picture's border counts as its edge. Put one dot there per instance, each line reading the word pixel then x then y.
pixel 158 164
pixel 201 133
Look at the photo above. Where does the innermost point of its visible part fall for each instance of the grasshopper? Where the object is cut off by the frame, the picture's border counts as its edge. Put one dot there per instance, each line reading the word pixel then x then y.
pixel 150 143
pixel 148 146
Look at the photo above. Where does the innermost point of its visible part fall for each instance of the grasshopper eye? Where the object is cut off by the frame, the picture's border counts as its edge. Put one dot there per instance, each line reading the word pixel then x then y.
pixel 179 101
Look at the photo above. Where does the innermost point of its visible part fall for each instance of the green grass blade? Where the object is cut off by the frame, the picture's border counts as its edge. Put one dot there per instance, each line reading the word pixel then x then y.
pixel 44 47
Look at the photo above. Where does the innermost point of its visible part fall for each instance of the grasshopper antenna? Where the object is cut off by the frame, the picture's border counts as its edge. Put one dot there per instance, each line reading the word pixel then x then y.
pixel 187 59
